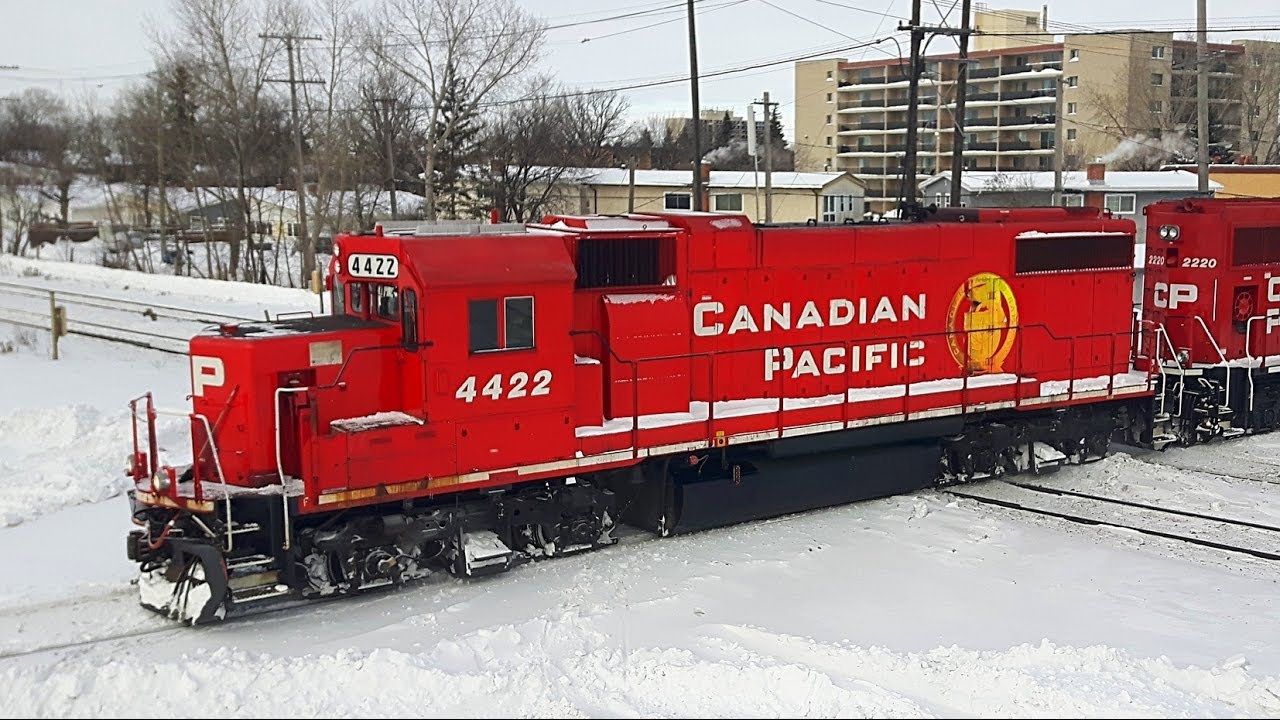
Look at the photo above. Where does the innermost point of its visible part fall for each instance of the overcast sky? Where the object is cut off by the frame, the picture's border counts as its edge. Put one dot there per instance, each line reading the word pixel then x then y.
pixel 71 46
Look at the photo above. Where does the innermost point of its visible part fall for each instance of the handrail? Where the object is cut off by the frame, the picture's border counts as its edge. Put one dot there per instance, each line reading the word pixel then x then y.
pixel 1221 356
pixel 1161 332
pixel 222 478
pixel 337 379
pixel 217 462
pixel 284 486
pixel 1248 352
pixel 710 355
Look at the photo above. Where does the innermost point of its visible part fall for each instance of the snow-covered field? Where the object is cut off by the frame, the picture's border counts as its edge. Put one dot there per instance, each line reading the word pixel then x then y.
pixel 921 605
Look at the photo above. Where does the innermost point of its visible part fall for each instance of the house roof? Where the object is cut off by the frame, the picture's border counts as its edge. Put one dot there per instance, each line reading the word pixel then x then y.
pixel 719 178
pixel 977 181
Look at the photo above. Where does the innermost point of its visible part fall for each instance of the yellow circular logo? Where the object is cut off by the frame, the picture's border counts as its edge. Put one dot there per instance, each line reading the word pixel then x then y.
pixel 983 323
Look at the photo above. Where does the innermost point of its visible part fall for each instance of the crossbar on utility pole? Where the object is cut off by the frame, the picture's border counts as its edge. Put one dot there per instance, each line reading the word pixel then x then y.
pixel 768 156
pixel 308 248
pixel 909 206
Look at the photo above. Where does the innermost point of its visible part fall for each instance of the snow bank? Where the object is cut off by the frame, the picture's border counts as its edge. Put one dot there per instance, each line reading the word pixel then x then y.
pixel 560 667
pixel 64 425
pixel 150 283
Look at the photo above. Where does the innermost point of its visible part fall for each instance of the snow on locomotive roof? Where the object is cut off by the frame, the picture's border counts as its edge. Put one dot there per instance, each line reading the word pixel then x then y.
pixel 627 224
pixel 632 298
pixel 1069 234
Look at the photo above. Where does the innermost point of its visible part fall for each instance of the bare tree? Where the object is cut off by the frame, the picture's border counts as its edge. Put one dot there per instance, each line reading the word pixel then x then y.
pixel 536 145
pixel 41 132
pixel 1260 94
pixel 489 42
pixel 219 40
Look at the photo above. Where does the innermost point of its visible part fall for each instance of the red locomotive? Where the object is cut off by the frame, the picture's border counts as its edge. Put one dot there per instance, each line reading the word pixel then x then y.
pixel 481 398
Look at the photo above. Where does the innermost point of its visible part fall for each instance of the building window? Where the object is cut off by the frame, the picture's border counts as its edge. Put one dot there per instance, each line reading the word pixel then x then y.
pixel 1157 79
pixel 1119 203
pixel 830 75
pixel 1071 134
pixel 828 97
pixel 727 202
pixel 1157 52
pixel 1253 111
pixel 1071 108
pixel 513 316
pixel 828 139
pixel 836 208
pixel 1256 85
pixel 1075 55
pixel 1255 136
pixel 1157 106
pixel 677 201
pixel 291 230
pixel 828 119
pixel 1073 81
pixel 1072 201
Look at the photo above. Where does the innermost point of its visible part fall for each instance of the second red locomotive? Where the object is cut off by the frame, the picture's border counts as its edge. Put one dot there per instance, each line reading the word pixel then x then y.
pixel 481 398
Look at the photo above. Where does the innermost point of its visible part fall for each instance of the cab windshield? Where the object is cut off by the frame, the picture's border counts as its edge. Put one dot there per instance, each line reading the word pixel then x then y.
pixel 385 302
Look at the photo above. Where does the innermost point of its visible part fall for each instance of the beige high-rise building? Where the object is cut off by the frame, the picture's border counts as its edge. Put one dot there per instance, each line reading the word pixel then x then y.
pixel 1129 99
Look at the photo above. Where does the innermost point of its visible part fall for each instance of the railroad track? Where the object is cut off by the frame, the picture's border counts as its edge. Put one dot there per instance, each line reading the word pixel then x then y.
pixel 1195 528
pixel 113 319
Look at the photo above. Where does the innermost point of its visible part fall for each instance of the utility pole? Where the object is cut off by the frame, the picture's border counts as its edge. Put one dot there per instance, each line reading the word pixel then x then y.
pixel 910 207
pixel 164 198
pixel 697 115
pixel 631 184
pixel 962 75
pixel 768 157
pixel 908 204
pixel 308 248
pixel 1202 98
pixel 387 103
pixel 1059 147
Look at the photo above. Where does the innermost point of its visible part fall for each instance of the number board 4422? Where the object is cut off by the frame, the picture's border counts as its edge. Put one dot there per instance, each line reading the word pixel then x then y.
pixel 364 265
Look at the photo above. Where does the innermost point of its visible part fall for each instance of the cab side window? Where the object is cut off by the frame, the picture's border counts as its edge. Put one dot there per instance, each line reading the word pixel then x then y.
pixel 356 291
pixel 339 298
pixel 505 324
pixel 409 320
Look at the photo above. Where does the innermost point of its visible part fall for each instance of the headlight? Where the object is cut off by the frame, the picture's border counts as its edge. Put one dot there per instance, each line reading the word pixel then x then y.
pixel 1170 232
pixel 160 482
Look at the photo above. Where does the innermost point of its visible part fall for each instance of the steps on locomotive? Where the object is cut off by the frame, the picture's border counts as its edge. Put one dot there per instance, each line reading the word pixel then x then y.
pixel 256 586
pixel 484 553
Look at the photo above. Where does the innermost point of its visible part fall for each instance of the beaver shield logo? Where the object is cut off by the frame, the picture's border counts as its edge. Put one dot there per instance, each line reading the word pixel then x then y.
pixel 983 323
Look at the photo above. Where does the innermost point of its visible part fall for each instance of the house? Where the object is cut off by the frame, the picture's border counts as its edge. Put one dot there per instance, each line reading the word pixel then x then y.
pixel 797 196
pixel 1247 181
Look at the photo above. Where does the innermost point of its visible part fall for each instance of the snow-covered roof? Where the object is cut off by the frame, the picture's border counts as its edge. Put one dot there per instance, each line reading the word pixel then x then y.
pixel 719 178
pixel 980 181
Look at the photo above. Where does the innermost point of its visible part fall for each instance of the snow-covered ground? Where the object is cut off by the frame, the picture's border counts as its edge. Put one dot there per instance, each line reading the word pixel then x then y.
pixel 918 605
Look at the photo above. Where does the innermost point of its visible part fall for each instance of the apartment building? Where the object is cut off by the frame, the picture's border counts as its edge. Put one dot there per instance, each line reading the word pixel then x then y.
pixel 1127 98
pixel 714 123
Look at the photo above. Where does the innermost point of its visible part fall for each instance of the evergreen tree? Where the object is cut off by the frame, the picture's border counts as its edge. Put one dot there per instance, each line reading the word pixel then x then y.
pixel 724 138
pixel 775 129
pixel 460 149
